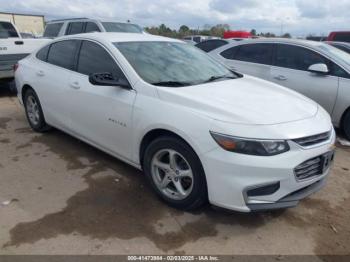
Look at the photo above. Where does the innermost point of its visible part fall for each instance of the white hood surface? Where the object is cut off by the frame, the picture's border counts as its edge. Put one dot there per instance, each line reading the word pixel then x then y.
pixel 246 100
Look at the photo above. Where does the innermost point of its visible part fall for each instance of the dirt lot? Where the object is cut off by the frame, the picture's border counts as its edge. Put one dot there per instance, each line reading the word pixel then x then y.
pixel 69 198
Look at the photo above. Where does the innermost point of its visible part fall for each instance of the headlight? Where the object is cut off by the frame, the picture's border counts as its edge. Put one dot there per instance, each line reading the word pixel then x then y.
pixel 251 146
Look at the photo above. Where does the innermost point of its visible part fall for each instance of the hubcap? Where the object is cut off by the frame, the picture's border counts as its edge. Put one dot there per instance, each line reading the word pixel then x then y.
pixel 33 110
pixel 172 174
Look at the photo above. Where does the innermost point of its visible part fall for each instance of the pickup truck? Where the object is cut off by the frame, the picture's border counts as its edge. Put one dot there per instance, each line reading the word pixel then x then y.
pixel 14 48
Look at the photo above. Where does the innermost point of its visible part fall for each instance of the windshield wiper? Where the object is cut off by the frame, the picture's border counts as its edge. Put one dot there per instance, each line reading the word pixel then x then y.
pixel 214 78
pixel 171 83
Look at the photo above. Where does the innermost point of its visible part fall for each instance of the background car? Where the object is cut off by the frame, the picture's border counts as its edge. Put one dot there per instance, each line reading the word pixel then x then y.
pixel 198 130
pixel 341 45
pixel 73 26
pixel 317 70
pixel 211 44
pixel 340 36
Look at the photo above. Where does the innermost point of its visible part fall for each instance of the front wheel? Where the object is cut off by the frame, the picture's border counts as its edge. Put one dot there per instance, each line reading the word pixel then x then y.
pixel 175 173
pixel 34 112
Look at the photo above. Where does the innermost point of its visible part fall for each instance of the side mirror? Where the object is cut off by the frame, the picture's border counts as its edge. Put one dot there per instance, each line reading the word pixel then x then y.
pixel 107 79
pixel 319 69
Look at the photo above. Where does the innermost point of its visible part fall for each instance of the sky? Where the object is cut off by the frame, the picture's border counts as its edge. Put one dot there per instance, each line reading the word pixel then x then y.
pixel 298 17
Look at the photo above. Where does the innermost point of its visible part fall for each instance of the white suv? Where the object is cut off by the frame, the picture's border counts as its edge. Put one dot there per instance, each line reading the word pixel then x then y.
pixel 198 130
pixel 74 26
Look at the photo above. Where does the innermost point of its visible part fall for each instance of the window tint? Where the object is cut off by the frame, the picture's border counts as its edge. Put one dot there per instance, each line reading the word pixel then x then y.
pixel 91 27
pixel 42 54
pixel 52 30
pixel 95 59
pixel 342 37
pixel 255 53
pixel 336 70
pixel 75 28
pixel 296 57
pixel 62 53
pixel 230 53
pixel 196 39
pixel 7 30
pixel 121 27
pixel 210 45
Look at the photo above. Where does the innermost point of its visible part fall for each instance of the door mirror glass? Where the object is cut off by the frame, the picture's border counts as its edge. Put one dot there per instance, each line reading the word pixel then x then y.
pixel 107 79
pixel 319 69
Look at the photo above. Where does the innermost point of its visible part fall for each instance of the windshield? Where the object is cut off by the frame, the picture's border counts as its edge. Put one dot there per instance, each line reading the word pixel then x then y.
pixel 121 27
pixel 7 30
pixel 333 51
pixel 171 62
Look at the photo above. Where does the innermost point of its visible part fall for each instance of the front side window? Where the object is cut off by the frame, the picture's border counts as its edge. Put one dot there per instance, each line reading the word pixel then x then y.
pixel 91 27
pixel 171 62
pixel 296 57
pixel 62 53
pixel 7 30
pixel 95 59
pixel 75 28
pixel 52 30
pixel 255 53
pixel 121 27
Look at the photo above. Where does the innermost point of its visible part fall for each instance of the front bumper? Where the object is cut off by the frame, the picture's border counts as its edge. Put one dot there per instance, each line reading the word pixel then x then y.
pixel 230 176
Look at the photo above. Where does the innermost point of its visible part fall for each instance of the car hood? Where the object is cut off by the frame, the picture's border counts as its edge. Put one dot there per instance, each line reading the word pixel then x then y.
pixel 245 100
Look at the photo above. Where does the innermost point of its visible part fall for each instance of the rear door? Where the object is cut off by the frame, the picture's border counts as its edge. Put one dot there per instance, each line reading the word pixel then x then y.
pixel 52 73
pixel 252 59
pixel 101 114
pixel 290 69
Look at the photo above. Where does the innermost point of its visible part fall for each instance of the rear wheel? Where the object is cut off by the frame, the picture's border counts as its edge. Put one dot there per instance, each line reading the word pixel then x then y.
pixel 346 125
pixel 175 173
pixel 34 112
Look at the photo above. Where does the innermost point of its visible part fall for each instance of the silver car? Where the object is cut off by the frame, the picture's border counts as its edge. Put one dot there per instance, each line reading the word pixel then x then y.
pixel 317 70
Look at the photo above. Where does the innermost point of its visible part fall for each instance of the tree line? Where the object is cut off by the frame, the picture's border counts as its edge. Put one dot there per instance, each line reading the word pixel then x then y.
pixel 217 30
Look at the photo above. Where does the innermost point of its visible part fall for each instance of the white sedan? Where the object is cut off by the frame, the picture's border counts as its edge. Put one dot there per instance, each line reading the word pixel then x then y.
pixel 198 130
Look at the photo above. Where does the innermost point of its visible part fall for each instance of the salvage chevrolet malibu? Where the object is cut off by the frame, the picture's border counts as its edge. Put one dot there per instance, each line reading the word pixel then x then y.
pixel 199 131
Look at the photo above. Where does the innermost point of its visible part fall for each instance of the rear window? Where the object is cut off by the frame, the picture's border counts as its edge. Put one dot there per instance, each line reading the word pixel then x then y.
pixel 75 28
pixel 62 53
pixel 52 30
pixel 210 45
pixel 121 27
pixel 7 30
pixel 255 53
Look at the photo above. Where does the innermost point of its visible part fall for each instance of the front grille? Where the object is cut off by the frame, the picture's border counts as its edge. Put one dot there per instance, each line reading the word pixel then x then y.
pixel 309 168
pixel 313 140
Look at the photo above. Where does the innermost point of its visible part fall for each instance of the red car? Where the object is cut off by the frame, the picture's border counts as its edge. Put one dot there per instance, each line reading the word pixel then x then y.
pixel 343 36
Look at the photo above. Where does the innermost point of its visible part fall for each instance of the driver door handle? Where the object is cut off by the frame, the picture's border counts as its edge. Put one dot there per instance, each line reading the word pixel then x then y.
pixel 280 77
pixel 75 85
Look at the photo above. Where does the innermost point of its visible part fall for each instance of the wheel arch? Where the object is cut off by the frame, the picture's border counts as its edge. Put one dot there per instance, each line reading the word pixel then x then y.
pixel 24 89
pixel 342 119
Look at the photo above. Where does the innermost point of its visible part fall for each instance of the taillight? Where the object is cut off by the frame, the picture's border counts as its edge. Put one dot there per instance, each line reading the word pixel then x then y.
pixel 15 67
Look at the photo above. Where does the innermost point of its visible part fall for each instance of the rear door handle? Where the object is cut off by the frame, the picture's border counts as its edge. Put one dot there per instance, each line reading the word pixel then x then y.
pixel 281 78
pixel 19 42
pixel 75 85
pixel 40 73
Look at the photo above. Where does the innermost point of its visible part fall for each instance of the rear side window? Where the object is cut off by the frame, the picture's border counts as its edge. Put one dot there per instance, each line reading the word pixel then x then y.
pixel 255 53
pixel 7 30
pixel 75 28
pixel 62 53
pixel 42 54
pixel 91 27
pixel 230 53
pixel 295 57
pixel 210 45
pixel 52 30
pixel 95 59
pixel 342 37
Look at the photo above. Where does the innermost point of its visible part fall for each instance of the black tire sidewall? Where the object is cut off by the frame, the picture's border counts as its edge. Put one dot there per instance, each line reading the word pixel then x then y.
pixel 41 124
pixel 346 125
pixel 199 194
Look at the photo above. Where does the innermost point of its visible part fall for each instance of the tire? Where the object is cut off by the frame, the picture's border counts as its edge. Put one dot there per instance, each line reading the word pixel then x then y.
pixel 186 173
pixel 12 87
pixel 346 125
pixel 34 113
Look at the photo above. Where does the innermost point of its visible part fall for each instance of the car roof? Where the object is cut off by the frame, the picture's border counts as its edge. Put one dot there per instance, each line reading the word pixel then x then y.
pixel 84 19
pixel 120 37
